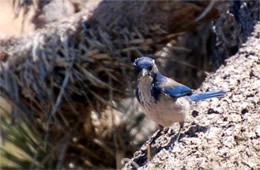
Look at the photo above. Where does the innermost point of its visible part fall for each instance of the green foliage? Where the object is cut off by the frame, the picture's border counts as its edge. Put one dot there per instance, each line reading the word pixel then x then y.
pixel 21 147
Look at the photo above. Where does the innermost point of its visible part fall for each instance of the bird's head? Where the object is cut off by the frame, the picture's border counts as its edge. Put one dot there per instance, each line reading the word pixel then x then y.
pixel 145 66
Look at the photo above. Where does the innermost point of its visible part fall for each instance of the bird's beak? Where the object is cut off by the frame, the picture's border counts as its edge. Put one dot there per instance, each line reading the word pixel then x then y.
pixel 144 72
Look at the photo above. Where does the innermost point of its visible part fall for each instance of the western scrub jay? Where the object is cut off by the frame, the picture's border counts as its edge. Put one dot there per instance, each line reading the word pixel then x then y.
pixel 162 99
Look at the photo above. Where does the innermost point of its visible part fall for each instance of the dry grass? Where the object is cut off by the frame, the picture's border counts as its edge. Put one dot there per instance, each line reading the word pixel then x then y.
pixel 65 74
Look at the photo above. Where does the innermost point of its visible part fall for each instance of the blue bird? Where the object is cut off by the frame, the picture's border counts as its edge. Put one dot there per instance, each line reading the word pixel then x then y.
pixel 162 99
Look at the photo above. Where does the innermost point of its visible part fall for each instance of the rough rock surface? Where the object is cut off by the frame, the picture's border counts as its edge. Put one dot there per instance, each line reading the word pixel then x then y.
pixel 219 133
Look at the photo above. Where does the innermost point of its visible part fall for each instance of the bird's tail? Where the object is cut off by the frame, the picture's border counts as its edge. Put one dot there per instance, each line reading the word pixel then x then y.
pixel 206 95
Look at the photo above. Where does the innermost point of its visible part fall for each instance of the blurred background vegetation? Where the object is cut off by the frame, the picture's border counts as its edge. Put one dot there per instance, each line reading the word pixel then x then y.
pixel 73 106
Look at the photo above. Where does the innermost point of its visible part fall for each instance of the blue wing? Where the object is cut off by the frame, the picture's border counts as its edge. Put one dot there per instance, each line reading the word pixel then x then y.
pixel 206 95
pixel 177 91
pixel 169 87
pixel 174 89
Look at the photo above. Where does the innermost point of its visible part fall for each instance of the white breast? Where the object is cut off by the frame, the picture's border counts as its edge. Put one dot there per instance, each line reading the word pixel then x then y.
pixel 166 110
pixel 145 96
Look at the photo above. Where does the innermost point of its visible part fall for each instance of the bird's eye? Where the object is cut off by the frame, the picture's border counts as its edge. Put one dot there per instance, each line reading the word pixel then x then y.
pixel 150 67
pixel 136 70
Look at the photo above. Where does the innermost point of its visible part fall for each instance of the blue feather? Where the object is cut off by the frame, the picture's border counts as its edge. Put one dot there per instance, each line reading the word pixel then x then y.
pixel 143 62
pixel 173 91
pixel 158 80
pixel 206 95
pixel 137 94
pixel 155 92
pixel 177 91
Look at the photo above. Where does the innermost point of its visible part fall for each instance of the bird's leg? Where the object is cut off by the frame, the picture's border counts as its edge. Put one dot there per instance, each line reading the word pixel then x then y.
pixel 179 133
pixel 152 140
pixel 157 134
pixel 178 136
pixel 161 127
